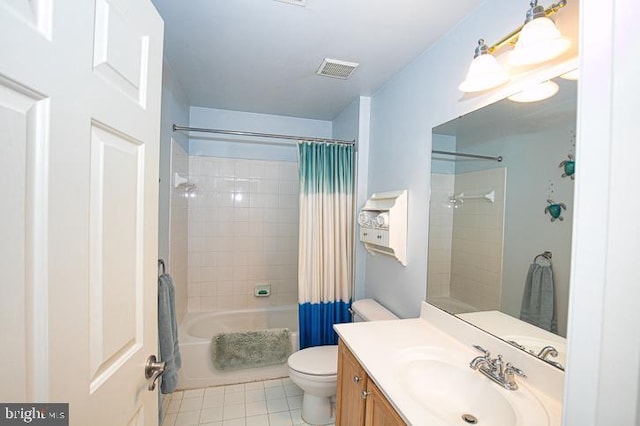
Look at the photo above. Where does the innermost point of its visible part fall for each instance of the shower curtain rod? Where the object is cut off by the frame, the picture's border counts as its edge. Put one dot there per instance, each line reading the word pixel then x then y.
pixel 177 128
pixel 460 154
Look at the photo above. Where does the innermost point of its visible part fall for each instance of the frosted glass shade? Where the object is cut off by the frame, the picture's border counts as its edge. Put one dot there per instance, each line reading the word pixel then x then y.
pixel 484 73
pixel 539 41
pixel 536 92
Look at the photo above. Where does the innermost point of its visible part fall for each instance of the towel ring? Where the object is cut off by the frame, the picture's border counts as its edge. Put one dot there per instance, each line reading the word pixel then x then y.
pixel 546 255
pixel 161 267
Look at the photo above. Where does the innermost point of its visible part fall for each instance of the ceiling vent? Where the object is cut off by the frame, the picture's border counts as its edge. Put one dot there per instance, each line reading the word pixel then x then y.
pixel 337 69
pixel 296 2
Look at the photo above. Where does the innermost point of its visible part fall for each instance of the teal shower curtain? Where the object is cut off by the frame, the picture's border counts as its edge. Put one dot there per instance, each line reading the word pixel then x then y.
pixel 325 261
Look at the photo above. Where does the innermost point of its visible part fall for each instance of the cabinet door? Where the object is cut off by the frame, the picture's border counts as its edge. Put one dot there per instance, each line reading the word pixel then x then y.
pixel 381 237
pixel 352 381
pixel 375 236
pixel 367 235
pixel 379 411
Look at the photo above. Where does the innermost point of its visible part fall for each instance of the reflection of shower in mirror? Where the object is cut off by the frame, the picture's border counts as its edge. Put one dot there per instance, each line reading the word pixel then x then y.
pixel 480 251
pixel 459 198
pixel 181 182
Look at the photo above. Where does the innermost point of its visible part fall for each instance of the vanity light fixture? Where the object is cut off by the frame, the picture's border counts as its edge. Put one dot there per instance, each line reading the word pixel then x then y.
pixel 484 72
pixel 536 92
pixel 537 40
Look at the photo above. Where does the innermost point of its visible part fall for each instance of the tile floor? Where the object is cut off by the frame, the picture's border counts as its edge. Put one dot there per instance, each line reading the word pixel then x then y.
pixel 269 403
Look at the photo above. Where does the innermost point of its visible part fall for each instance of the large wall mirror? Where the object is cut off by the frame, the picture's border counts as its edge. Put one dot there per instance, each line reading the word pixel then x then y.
pixel 501 218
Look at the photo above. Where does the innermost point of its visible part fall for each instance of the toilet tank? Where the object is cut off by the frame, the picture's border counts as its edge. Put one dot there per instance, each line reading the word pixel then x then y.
pixel 370 310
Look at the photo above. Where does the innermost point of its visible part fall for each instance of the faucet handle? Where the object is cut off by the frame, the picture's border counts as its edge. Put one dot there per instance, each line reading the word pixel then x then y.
pixel 516 344
pixel 508 379
pixel 498 365
pixel 512 370
pixel 483 350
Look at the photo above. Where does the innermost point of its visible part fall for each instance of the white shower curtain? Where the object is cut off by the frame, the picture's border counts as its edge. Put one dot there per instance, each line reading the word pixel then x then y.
pixel 325 262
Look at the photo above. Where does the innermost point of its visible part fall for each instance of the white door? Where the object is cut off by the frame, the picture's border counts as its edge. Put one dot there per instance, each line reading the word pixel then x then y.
pixel 80 86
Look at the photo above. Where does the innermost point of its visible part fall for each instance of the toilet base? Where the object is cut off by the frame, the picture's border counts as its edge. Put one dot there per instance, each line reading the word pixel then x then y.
pixel 317 410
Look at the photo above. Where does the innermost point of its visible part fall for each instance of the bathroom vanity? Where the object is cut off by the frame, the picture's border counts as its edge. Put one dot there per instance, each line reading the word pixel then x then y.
pixel 416 372
pixel 359 401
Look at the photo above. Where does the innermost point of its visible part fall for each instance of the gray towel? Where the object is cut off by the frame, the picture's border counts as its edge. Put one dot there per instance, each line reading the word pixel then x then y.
pixel 538 300
pixel 168 334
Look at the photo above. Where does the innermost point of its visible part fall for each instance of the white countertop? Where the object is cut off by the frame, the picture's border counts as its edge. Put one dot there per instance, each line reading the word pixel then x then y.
pixel 523 333
pixel 376 344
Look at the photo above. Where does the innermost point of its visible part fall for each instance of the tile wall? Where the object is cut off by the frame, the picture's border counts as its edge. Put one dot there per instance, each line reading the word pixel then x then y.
pixel 440 231
pixel 243 231
pixel 478 238
pixel 178 261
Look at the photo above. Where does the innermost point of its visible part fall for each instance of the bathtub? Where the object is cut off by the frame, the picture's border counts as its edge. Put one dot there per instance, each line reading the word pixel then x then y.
pixel 197 329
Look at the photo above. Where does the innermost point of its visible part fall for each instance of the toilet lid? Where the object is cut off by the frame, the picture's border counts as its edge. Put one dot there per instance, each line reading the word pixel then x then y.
pixel 317 360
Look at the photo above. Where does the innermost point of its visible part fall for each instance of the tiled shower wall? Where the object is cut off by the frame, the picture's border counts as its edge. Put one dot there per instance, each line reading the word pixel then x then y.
pixel 466 241
pixel 179 224
pixel 478 238
pixel 440 232
pixel 243 231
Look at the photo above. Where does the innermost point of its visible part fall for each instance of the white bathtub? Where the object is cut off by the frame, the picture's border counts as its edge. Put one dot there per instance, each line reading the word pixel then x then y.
pixel 197 329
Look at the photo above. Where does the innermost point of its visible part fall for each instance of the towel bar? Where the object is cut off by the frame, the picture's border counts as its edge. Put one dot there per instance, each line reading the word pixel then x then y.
pixel 547 255
pixel 161 267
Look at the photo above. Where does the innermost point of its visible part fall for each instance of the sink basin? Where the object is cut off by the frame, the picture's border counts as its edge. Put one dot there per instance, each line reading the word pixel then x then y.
pixel 446 386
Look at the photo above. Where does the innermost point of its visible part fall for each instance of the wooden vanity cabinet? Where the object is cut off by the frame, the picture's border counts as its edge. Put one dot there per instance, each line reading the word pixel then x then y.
pixel 359 401
pixel 379 411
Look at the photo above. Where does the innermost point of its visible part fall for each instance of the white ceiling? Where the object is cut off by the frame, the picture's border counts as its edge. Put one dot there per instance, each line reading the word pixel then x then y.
pixel 262 55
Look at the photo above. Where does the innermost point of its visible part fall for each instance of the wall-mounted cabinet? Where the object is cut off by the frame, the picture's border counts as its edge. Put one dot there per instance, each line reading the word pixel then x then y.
pixel 383 224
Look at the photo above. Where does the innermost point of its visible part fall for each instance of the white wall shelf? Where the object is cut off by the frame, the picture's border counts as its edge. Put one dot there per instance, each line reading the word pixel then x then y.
pixel 383 224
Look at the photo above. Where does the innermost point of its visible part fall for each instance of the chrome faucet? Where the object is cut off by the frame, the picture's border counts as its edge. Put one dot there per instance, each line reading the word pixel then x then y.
pixel 549 351
pixel 482 360
pixel 496 369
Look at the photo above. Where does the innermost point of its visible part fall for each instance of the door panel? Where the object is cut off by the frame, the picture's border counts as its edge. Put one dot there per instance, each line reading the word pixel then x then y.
pixel 35 14
pixel 121 50
pixel 352 382
pixel 23 118
pixel 116 286
pixel 80 98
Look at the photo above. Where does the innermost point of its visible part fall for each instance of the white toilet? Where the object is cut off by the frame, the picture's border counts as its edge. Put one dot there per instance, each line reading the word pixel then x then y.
pixel 315 369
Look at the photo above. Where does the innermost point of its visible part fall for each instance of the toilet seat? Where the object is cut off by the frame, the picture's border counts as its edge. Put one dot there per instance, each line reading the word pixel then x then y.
pixel 315 361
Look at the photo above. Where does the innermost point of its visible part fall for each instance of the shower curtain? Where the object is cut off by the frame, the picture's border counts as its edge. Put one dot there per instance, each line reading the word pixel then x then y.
pixel 325 261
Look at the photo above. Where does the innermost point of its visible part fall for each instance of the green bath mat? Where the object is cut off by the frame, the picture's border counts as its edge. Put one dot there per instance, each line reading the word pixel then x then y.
pixel 249 349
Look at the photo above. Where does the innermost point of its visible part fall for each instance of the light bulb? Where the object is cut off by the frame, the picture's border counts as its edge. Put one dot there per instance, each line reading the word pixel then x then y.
pixel 536 92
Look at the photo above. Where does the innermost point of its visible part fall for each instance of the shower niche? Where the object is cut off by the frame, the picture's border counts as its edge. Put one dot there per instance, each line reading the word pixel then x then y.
pixel 383 224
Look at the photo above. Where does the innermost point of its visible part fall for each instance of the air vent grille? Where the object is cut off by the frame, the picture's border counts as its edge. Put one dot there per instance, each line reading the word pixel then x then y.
pixel 337 69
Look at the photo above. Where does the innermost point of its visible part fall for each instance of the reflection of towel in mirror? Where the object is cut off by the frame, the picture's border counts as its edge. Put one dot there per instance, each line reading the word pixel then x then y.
pixel 168 334
pixel 538 300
